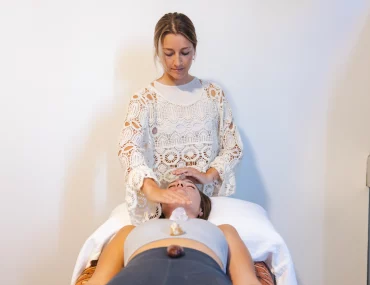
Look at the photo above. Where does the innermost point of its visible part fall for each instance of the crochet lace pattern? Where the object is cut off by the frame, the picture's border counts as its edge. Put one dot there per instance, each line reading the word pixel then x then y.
pixel 159 136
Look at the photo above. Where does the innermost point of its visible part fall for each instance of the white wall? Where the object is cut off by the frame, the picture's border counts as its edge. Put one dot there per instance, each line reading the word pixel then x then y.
pixel 297 76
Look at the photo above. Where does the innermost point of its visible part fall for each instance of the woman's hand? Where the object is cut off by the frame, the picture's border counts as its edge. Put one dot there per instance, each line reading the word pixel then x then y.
pixel 199 177
pixel 165 196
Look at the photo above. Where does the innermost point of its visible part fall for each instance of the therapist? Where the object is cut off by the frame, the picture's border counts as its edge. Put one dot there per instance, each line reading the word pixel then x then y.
pixel 177 125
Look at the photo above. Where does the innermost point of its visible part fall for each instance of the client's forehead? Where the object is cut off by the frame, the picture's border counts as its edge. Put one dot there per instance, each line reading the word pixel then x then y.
pixel 185 180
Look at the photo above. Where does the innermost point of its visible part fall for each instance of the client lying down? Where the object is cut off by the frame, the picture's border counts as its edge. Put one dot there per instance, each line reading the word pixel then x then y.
pixel 183 248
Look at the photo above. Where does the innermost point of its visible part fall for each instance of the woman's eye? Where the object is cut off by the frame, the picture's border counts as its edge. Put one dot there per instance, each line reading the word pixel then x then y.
pixel 171 54
pixel 191 186
pixel 171 186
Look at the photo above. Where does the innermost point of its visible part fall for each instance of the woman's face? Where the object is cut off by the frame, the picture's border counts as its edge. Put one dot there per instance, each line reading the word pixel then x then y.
pixel 188 188
pixel 177 57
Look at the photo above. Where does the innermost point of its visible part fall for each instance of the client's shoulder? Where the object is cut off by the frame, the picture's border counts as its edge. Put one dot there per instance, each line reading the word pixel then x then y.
pixel 228 229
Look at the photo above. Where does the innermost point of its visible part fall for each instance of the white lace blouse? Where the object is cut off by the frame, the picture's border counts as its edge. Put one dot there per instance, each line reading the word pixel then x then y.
pixel 159 136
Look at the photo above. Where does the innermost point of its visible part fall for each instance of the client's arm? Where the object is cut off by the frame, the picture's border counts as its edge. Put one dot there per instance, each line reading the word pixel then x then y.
pixel 111 259
pixel 240 263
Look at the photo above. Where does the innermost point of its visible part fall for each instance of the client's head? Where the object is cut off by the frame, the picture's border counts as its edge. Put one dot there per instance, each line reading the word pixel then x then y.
pixel 201 204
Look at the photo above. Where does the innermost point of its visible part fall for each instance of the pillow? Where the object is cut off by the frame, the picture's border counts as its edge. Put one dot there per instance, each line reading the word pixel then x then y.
pixel 258 234
pixel 121 212
pixel 251 222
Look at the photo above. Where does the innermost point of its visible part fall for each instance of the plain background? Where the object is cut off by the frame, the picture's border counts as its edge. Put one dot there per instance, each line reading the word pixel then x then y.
pixel 297 75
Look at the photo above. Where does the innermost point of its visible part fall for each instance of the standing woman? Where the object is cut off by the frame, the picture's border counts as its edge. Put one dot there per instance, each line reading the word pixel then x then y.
pixel 178 125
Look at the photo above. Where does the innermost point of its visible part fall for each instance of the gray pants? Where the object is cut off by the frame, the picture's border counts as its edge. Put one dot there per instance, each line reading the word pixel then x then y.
pixel 154 267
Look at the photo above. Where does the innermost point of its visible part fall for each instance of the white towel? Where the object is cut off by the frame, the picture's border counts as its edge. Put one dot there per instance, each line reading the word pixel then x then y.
pixel 249 219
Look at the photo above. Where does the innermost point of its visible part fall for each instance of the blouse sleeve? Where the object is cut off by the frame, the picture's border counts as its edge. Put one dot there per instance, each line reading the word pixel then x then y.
pixel 137 160
pixel 231 149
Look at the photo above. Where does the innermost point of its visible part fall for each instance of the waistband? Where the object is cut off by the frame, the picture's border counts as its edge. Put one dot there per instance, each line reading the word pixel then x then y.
pixel 160 253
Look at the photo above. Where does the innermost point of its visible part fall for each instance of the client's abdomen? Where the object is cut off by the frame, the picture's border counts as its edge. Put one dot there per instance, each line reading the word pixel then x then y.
pixel 155 267
pixel 187 243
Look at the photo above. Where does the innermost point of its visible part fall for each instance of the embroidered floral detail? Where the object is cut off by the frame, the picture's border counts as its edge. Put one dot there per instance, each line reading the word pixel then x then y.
pixel 159 136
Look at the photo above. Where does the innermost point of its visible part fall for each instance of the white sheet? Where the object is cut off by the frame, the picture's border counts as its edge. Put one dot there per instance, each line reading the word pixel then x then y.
pixel 250 220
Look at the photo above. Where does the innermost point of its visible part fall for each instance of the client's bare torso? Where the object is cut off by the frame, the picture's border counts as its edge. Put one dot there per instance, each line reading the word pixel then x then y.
pixel 181 242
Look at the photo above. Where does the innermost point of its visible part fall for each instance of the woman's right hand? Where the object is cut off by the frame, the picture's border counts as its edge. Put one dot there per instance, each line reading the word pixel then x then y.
pixel 158 195
pixel 165 196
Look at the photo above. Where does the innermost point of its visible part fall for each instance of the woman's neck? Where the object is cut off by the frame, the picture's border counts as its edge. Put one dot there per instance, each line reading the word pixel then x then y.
pixel 167 79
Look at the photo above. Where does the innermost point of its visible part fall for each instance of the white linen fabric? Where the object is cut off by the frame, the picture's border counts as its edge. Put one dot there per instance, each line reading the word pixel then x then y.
pixel 185 94
pixel 159 136
pixel 249 219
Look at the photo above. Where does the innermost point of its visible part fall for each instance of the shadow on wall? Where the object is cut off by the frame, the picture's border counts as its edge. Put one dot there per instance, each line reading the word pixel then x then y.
pixel 249 183
pixel 347 146
pixel 79 214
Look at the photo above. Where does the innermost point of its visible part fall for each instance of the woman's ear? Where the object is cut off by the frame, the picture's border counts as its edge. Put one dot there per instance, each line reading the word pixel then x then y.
pixel 200 212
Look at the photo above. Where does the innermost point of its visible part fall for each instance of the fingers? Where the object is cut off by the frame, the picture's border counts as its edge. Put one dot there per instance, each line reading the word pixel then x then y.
pixel 186 171
pixel 172 197
pixel 190 173
pixel 179 198
pixel 178 172
pixel 183 170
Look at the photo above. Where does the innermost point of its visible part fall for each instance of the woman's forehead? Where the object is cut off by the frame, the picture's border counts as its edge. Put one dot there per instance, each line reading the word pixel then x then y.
pixel 188 180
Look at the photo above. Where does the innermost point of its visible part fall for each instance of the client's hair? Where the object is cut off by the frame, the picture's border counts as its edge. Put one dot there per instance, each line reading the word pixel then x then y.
pixel 205 205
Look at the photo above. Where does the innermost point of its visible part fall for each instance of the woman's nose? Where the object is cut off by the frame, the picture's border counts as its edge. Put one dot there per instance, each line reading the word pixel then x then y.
pixel 177 61
pixel 180 184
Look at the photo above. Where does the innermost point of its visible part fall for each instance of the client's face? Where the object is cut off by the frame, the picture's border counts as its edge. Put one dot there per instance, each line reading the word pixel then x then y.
pixel 188 188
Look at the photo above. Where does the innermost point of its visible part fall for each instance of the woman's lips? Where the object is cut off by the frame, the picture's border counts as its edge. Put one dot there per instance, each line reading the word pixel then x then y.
pixel 178 69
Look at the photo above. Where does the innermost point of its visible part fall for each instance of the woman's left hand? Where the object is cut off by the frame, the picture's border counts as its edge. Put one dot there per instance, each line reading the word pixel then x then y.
pixel 200 177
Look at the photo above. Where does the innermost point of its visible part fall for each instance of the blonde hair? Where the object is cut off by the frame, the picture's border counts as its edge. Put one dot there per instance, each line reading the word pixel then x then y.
pixel 173 23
